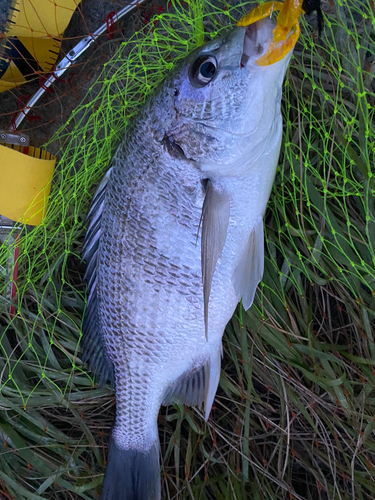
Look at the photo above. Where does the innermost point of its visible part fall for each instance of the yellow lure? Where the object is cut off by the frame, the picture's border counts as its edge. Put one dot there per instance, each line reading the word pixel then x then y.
pixel 287 20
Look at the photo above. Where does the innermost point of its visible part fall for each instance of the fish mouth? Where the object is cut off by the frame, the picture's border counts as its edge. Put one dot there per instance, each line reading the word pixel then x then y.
pixel 286 32
pixel 257 39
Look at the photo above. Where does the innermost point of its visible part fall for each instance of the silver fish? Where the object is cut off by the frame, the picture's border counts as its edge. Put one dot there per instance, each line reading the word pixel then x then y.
pixel 176 240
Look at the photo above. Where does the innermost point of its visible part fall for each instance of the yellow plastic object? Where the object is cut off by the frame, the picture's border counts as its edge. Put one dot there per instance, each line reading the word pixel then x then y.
pixel 260 12
pixel 25 183
pixel 287 20
pixel 31 43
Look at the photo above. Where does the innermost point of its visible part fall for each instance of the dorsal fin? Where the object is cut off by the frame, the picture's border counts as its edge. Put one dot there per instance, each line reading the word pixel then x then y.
pixel 92 342
pixel 215 220
pixel 197 387
pixel 249 270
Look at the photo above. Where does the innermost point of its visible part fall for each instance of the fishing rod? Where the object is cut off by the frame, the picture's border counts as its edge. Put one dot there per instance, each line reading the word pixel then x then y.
pixel 71 58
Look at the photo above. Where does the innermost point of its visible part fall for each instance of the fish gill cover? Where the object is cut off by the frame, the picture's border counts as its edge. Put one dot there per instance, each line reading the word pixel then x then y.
pixel 294 413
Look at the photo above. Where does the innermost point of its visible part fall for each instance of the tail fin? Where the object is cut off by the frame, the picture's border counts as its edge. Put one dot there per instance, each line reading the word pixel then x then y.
pixel 132 474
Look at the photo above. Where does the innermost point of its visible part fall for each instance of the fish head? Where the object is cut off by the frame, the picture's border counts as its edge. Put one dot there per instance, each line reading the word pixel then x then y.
pixel 227 107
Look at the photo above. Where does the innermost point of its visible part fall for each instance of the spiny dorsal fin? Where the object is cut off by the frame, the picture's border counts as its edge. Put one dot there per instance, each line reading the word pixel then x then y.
pixel 92 343
pixel 249 270
pixel 215 220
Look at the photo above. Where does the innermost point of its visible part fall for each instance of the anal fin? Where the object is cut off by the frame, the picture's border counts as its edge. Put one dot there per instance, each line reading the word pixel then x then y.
pixel 189 389
pixel 194 388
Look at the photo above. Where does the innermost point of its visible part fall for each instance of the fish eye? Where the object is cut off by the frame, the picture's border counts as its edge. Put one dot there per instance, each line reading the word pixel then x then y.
pixel 203 70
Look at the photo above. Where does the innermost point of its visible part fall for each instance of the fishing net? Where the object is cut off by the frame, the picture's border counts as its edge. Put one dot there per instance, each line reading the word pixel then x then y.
pixel 294 414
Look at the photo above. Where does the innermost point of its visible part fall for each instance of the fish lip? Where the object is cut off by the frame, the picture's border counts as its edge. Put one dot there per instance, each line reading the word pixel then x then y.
pixel 257 38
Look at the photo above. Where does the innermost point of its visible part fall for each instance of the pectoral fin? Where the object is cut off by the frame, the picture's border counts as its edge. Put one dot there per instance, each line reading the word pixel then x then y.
pixel 249 270
pixel 215 220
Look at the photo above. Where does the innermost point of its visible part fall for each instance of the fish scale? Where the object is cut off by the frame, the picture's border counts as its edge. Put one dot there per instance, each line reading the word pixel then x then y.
pixel 142 339
pixel 134 248
pixel 176 240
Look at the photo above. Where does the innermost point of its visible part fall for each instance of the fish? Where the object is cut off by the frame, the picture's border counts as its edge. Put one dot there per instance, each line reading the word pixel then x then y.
pixel 175 241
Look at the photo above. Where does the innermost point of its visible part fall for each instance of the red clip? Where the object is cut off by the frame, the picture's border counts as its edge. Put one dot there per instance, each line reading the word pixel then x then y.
pixel 160 10
pixel 21 108
pixel 110 24
pixel 20 102
pixel 35 118
pixel 42 79
pixel 13 126
pixel 70 77
pixel 62 80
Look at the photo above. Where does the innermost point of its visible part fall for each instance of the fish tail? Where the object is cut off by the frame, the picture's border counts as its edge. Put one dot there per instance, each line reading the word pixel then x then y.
pixel 132 474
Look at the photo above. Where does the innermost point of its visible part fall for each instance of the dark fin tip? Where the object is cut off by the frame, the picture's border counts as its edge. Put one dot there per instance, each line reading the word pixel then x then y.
pixel 131 474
